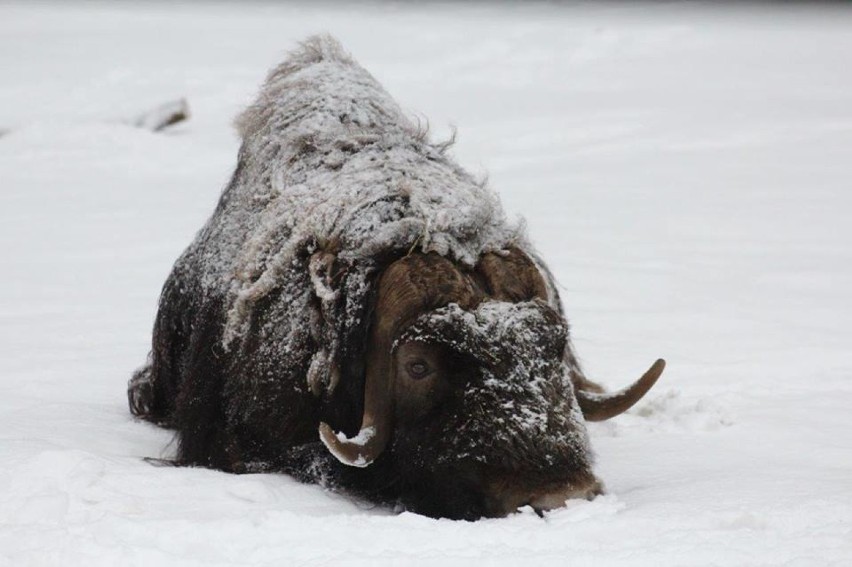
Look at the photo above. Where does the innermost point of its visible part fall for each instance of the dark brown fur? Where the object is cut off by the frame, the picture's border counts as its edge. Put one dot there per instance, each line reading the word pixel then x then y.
pixel 204 391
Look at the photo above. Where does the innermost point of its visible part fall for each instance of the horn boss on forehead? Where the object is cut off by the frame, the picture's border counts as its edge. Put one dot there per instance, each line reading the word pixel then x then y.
pixel 511 276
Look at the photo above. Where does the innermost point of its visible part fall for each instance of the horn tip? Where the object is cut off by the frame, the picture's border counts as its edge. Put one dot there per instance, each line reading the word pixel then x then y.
pixel 653 373
pixel 350 452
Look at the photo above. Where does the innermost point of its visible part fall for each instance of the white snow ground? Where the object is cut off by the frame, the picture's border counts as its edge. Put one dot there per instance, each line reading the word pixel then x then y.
pixel 684 169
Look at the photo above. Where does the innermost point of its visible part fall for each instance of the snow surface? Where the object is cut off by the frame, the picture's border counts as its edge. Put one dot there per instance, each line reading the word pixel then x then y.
pixel 683 169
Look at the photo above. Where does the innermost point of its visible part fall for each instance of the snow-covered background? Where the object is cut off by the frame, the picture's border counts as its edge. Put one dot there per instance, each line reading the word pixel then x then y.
pixel 686 171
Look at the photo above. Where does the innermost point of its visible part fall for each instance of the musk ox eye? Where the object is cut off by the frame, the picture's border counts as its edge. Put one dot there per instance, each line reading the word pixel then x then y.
pixel 418 368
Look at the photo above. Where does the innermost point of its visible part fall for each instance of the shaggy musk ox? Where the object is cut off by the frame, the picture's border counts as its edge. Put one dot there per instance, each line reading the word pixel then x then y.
pixel 359 313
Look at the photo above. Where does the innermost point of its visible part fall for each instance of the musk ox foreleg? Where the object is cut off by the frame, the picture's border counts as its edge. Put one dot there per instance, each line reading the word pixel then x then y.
pixel 199 406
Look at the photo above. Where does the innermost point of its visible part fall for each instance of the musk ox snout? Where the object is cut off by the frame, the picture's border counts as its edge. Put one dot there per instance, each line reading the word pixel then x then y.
pixel 509 495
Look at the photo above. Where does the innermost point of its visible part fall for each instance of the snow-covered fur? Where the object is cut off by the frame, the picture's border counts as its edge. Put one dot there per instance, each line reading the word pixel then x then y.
pixel 254 342
pixel 521 385
pixel 330 161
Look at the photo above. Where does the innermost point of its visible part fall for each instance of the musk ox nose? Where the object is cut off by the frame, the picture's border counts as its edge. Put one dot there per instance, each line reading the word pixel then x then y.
pixel 546 498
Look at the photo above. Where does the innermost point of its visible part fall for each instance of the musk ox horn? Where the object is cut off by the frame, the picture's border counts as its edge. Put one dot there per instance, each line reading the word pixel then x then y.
pixel 358 451
pixel 598 407
pixel 321 268
pixel 408 288
pixel 511 276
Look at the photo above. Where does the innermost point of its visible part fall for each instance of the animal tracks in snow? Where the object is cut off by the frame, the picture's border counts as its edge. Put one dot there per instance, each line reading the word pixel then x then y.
pixel 668 411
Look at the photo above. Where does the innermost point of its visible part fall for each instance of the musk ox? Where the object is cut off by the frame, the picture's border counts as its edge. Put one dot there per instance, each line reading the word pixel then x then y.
pixel 359 313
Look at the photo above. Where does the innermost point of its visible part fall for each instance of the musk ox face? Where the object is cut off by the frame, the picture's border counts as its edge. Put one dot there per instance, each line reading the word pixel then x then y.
pixel 484 405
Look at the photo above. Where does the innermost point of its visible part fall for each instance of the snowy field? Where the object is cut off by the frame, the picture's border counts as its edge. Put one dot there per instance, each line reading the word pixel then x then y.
pixel 685 170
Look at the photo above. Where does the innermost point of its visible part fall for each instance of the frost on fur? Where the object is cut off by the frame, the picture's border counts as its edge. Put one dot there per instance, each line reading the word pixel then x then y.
pixel 330 162
pixel 343 225
pixel 522 382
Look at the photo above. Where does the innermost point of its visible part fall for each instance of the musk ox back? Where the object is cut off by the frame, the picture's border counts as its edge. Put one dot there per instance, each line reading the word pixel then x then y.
pixel 359 313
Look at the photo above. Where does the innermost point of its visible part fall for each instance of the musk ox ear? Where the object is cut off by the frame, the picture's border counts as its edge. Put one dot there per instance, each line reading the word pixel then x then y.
pixel 323 373
pixel 510 275
pixel 323 268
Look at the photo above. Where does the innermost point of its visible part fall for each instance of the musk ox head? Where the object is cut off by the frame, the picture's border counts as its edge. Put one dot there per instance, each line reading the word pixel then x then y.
pixel 470 387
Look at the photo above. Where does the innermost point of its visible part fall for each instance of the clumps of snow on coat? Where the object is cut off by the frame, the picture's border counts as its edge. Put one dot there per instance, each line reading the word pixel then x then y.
pixel 523 399
pixel 330 162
